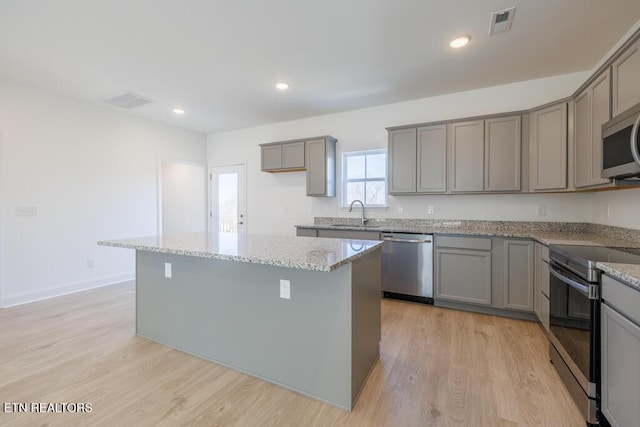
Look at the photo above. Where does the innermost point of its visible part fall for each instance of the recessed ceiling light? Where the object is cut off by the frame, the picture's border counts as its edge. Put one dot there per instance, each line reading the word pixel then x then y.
pixel 282 85
pixel 460 42
pixel 178 110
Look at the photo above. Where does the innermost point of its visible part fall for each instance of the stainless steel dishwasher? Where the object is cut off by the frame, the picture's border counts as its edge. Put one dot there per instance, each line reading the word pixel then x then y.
pixel 407 266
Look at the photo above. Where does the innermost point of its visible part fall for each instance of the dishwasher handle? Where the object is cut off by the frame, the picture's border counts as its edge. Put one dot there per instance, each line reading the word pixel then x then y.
pixel 393 239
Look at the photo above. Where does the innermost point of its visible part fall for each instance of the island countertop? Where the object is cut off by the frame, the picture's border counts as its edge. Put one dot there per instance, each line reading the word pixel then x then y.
pixel 305 253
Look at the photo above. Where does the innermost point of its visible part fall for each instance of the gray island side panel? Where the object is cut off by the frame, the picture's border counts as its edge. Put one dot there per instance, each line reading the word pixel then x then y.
pixel 366 322
pixel 231 313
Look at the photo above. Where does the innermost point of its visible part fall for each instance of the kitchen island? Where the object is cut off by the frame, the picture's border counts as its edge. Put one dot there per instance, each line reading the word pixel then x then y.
pixel 218 296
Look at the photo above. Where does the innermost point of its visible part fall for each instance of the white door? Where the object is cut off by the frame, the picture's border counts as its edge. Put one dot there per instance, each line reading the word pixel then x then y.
pixel 183 195
pixel 228 202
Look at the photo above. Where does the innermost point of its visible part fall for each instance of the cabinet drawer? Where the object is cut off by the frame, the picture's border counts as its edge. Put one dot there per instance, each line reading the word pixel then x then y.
pixel 624 298
pixel 476 243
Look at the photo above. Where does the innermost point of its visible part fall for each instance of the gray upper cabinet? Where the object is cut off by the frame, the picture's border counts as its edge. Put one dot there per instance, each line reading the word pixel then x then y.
pixel 590 113
pixel 502 154
pixel 402 161
pixel 282 156
pixel 548 148
pixel 320 155
pixel 293 155
pixel 626 80
pixel 541 284
pixel 432 159
pixel 466 145
pixel 271 157
pixel 518 292
pixel 418 160
pixel 315 155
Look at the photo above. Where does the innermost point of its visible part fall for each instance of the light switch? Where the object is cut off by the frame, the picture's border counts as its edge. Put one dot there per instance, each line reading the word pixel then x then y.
pixel 167 270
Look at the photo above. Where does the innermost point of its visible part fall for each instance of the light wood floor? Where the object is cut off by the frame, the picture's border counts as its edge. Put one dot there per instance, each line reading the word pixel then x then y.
pixel 438 367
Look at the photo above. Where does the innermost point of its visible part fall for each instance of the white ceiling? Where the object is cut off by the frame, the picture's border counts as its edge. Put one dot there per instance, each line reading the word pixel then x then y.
pixel 220 59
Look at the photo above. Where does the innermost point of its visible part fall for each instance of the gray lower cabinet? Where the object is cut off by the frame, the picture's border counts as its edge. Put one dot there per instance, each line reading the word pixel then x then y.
pixel 620 357
pixel 466 156
pixel 544 312
pixel 349 234
pixel 518 286
pixel 541 284
pixel 320 158
pixel 495 274
pixel 306 232
pixel 626 80
pixel 548 148
pixel 463 270
pixel 590 113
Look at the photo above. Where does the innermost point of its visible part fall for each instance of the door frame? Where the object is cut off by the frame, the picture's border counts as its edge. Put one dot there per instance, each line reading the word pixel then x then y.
pixel 162 160
pixel 212 199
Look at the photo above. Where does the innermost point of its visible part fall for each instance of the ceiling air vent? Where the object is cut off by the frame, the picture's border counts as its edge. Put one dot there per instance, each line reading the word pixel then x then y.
pixel 501 21
pixel 126 100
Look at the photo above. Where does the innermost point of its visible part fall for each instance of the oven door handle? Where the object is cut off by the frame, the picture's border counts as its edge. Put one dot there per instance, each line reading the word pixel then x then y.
pixel 563 277
pixel 634 141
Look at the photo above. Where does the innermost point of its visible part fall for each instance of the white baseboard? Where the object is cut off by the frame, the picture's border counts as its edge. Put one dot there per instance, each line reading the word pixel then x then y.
pixel 69 288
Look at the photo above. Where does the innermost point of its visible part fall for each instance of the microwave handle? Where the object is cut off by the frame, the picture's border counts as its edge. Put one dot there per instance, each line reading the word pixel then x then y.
pixel 634 140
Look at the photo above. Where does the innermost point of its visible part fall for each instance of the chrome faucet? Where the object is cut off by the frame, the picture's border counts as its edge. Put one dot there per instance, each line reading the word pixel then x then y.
pixel 362 218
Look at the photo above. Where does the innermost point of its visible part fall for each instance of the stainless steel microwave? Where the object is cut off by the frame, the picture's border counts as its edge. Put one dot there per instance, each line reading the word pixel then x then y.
pixel 621 145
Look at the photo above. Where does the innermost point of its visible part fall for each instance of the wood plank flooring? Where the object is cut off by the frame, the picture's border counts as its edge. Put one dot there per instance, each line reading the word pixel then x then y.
pixel 438 367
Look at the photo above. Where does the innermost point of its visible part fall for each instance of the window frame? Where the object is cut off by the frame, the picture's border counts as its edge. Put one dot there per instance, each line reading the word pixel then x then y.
pixel 345 181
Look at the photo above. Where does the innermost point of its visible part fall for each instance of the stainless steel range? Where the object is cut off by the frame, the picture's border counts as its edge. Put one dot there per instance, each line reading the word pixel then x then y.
pixel 574 319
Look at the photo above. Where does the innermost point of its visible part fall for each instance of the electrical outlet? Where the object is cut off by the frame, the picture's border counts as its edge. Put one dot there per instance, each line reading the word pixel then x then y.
pixel 91 262
pixel 285 289
pixel 400 209
pixel 430 210
pixel 607 211
pixel 541 210
pixel 167 270
pixel 26 211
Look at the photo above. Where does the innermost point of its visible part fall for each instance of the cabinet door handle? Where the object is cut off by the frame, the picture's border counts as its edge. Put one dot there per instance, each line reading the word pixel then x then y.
pixel 391 239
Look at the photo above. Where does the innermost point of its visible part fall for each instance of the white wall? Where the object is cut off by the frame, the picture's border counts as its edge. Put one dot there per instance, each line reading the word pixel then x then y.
pixel 91 172
pixel 184 197
pixel 623 208
pixel 276 202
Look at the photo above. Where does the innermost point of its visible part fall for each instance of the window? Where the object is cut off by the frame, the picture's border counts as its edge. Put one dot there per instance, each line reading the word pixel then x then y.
pixel 364 177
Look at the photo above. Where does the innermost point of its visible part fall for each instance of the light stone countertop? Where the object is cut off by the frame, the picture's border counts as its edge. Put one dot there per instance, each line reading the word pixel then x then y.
pixel 306 253
pixel 547 233
pixel 628 273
